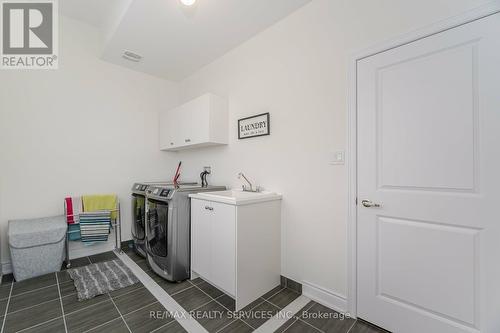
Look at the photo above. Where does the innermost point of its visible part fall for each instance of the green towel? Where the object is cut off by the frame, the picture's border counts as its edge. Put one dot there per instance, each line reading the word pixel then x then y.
pixel 93 203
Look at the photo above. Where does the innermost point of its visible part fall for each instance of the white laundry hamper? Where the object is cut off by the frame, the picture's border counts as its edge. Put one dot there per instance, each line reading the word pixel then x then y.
pixel 37 246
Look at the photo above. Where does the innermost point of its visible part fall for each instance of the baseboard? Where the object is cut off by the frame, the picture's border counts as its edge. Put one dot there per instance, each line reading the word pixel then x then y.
pixel 290 284
pixel 325 297
pixel 127 244
pixel 6 268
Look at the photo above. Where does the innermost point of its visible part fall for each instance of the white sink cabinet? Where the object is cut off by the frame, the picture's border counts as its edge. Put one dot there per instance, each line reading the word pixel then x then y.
pixel 235 242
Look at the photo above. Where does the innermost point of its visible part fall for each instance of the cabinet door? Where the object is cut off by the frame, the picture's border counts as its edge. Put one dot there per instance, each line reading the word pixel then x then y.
pixel 223 246
pixel 199 122
pixel 175 127
pixel 195 122
pixel 169 129
pixel 165 138
pixel 200 237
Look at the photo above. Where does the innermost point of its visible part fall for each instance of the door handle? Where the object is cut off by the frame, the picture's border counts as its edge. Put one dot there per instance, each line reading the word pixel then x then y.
pixel 370 204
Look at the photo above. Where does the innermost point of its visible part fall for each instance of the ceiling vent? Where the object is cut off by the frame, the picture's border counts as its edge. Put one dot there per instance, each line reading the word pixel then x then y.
pixel 131 56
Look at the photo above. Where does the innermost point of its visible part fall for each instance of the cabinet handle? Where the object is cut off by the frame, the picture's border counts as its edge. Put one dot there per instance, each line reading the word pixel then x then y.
pixel 187 140
pixel 171 143
pixel 209 208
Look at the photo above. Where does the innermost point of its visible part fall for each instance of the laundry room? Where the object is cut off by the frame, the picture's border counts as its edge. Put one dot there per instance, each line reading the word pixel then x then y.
pixel 233 166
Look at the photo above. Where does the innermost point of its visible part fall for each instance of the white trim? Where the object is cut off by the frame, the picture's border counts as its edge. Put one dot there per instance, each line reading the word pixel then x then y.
pixel 283 316
pixel 467 17
pixel 6 268
pixel 194 275
pixel 78 249
pixel 325 297
pixel 351 161
pixel 435 28
pixel 74 254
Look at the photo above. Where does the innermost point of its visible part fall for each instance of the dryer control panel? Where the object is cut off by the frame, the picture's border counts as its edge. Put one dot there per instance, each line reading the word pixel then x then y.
pixel 164 193
pixel 159 192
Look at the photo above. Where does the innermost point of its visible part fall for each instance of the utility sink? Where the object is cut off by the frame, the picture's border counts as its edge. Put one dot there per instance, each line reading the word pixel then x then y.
pixel 237 197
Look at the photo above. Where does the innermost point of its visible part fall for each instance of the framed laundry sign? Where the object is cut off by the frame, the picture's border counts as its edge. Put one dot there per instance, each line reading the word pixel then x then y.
pixel 254 126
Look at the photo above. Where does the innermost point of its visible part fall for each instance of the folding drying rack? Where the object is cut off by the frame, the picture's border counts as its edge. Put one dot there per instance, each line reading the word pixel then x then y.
pixel 117 224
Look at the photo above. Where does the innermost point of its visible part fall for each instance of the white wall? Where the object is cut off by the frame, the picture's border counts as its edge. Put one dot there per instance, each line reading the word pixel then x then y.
pixel 296 70
pixel 59 129
pixel 88 127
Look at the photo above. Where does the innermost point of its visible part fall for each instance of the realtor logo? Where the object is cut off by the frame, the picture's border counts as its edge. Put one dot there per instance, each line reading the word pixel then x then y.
pixel 29 34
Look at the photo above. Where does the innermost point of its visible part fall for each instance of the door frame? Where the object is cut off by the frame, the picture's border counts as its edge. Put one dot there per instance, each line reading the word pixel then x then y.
pixel 478 13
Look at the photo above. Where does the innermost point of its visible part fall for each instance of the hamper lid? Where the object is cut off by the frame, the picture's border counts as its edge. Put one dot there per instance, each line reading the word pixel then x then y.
pixel 36 232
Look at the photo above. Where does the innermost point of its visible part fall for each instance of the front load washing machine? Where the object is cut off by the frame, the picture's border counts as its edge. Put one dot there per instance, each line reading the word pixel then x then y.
pixel 168 227
pixel 139 210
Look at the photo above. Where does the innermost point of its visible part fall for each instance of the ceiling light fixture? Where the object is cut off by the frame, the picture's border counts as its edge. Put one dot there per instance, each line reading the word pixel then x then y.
pixel 188 2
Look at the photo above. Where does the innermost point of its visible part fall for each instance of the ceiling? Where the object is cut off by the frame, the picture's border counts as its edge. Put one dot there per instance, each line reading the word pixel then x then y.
pixel 94 12
pixel 174 40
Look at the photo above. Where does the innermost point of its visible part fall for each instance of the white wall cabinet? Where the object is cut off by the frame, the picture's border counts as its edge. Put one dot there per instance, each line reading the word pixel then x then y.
pixel 236 247
pixel 200 122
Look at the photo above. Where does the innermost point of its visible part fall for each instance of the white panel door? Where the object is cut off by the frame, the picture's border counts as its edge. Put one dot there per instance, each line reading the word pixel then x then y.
pixel 223 246
pixel 428 153
pixel 200 237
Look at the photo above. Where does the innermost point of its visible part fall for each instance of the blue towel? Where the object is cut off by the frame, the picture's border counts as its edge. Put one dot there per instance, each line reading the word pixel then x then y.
pixel 74 232
pixel 95 226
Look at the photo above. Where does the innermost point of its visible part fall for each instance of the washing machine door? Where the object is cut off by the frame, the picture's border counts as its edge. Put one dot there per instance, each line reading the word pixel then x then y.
pixel 157 228
pixel 139 217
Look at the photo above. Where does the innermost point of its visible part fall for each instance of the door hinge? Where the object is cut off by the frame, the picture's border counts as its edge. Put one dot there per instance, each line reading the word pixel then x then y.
pixel 356 200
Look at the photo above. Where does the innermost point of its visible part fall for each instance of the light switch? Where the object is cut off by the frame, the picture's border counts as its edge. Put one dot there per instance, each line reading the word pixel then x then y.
pixel 337 158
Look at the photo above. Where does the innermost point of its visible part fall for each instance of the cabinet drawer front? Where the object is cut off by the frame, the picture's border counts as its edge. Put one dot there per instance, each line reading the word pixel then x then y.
pixel 223 246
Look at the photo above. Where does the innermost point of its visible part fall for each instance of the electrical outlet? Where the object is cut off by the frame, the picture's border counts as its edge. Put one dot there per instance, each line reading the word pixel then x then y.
pixel 337 158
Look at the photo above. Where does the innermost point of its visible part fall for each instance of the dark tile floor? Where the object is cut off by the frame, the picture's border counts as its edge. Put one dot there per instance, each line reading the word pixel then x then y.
pixel 49 304
pixel 316 318
pixel 213 309
pixel 209 299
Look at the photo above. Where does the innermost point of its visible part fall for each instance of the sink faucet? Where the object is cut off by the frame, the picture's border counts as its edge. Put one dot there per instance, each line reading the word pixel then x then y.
pixel 250 187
